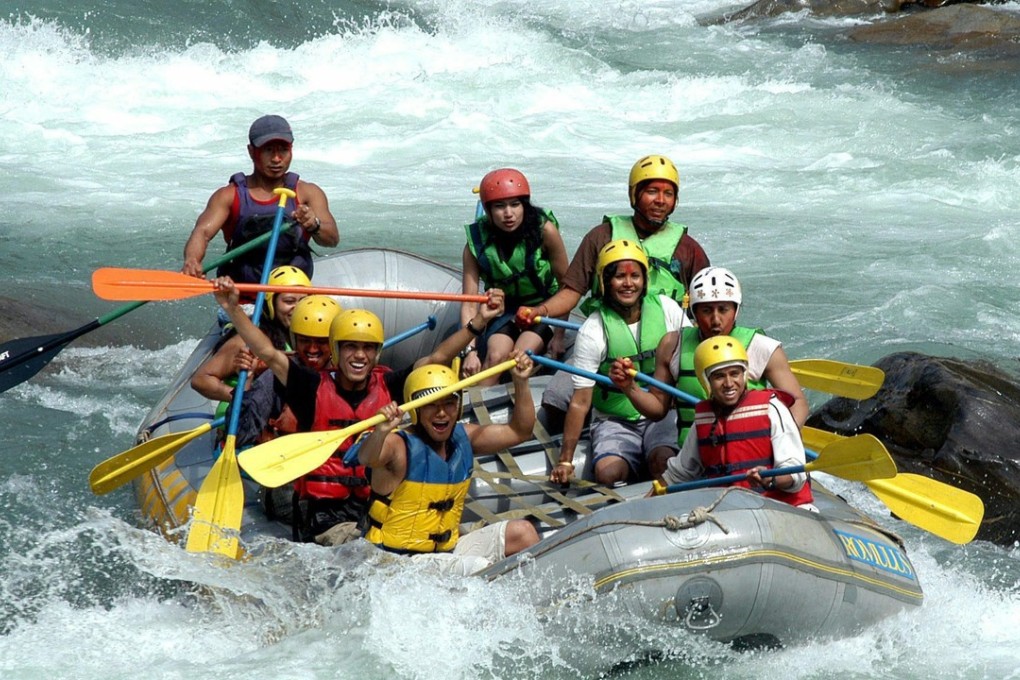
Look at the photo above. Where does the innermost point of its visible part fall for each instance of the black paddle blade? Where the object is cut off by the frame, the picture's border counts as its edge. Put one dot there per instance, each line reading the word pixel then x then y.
pixel 23 358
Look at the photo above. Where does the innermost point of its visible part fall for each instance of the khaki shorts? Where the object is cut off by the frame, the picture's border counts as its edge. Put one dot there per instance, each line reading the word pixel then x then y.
pixel 474 551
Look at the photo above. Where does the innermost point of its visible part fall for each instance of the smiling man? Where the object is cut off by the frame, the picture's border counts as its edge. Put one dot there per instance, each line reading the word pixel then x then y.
pixel 673 255
pixel 739 430
pixel 420 476
pixel 351 389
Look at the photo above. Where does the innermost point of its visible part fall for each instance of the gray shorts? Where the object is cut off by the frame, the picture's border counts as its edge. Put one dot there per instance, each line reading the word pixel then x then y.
pixel 632 440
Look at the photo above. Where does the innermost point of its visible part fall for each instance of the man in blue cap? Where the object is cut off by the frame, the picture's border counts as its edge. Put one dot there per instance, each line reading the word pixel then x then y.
pixel 246 208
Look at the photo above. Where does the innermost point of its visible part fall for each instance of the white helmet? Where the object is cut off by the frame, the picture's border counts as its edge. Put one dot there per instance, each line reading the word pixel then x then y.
pixel 715 284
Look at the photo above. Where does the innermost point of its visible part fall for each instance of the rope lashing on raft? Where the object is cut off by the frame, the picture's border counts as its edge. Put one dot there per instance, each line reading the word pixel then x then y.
pixel 695 517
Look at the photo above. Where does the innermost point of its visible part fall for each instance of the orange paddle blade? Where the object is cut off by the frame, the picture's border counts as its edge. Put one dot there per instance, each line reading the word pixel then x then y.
pixel 114 283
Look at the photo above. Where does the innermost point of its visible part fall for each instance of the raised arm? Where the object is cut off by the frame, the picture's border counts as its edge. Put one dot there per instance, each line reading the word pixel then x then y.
pixel 491 438
pixel 259 343
pixel 462 337
pixel 385 452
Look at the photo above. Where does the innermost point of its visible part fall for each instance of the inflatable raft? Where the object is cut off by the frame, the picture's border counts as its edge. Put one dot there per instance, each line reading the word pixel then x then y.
pixel 730 564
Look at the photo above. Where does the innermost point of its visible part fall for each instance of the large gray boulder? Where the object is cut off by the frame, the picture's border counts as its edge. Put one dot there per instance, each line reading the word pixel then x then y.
pixel 955 421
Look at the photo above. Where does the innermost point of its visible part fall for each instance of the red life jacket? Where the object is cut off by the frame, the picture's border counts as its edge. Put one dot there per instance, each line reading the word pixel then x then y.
pixel 742 440
pixel 335 479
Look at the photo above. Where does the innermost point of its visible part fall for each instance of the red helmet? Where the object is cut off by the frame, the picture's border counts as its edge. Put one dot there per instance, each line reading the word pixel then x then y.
pixel 502 184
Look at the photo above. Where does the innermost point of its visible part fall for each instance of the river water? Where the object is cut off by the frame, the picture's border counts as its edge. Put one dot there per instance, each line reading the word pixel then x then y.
pixel 866 197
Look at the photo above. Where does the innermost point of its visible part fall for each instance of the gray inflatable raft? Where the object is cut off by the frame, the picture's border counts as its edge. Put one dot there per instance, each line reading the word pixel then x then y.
pixel 730 564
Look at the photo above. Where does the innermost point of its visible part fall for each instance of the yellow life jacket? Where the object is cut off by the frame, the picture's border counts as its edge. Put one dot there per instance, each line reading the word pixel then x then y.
pixel 423 513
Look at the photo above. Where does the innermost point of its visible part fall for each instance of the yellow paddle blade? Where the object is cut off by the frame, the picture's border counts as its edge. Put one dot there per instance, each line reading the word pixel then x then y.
pixel 838 378
pixel 818 439
pixel 122 468
pixel 858 458
pixel 940 509
pixel 283 460
pixel 216 518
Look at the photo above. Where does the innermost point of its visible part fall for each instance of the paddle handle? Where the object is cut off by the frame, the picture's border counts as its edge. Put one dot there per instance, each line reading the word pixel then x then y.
pixel 113 283
pixel 660 488
pixel 559 323
pixel 570 368
pixel 411 332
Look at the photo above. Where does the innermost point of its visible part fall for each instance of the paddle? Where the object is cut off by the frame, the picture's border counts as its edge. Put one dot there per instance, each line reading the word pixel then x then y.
pixel 23 358
pixel 835 377
pixel 219 505
pixel 605 381
pixel 126 466
pixel 940 509
pixel 825 375
pixel 285 459
pixel 113 283
pixel 122 468
pixel 856 458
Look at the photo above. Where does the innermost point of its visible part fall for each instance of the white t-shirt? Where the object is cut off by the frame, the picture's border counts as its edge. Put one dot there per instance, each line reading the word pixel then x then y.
pixel 590 346
pixel 758 354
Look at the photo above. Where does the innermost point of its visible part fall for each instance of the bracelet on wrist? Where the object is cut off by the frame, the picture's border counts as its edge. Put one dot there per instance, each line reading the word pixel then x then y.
pixel 315 230
pixel 565 463
pixel 474 331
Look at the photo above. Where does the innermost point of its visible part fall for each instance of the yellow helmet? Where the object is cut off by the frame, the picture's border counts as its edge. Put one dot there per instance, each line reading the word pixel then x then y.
pixel 716 353
pixel 284 276
pixel 618 251
pixel 354 325
pixel 426 380
pixel 313 315
pixel 648 168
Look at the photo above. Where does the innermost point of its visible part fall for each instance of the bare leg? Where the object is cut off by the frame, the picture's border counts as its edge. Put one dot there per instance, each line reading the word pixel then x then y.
pixel 658 459
pixel 498 351
pixel 611 469
pixel 520 534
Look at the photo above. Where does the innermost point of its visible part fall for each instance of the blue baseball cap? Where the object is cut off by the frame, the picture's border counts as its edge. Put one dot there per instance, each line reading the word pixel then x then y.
pixel 269 128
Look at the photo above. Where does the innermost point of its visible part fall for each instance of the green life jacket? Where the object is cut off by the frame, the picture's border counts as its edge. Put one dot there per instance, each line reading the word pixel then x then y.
pixel 666 275
pixel 526 276
pixel 688 381
pixel 620 343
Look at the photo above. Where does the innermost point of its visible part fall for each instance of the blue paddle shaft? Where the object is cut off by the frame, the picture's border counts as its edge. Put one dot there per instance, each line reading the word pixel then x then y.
pixel 561 323
pixel 242 377
pixel 729 479
pixel 426 326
